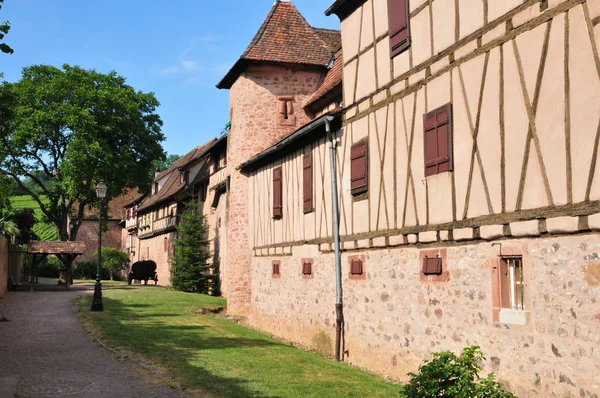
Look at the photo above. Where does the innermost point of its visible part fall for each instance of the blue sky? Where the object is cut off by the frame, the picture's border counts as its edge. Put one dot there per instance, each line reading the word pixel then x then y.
pixel 178 49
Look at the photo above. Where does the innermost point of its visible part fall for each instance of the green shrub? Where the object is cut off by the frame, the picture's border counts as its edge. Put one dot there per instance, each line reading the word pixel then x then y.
pixel 114 261
pixel 49 267
pixel 87 270
pixel 451 376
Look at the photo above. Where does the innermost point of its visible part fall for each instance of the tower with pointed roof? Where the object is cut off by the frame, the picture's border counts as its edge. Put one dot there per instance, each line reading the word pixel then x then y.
pixel 269 84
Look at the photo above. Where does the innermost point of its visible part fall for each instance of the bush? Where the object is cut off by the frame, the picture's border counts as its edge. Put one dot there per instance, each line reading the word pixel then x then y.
pixel 49 267
pixel 451 376
pixel 87 270
pixel 114 261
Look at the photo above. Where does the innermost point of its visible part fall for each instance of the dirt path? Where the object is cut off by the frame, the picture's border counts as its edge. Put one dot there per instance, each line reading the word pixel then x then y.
pixel 44 352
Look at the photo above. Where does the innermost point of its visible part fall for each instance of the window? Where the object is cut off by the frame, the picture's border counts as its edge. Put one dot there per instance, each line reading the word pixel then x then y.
pixel 307 264
pixel 509 288
pixel 128 214
pixel 438 140
pixel 512 288
pixel 166 244
pixel 276 264
pixel 308 183
pixel 398 16
pixel 285 111
pixel 356 267
pixel 277 192
pixel 184 176
pixel 359 171
pixel 432 265
pixel 155 188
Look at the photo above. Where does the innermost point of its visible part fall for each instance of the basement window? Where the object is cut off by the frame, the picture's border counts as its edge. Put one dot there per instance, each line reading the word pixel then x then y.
pixel 356 265
pixel 512 288
pixel 509 290
pixel 307 271
pixel 275 266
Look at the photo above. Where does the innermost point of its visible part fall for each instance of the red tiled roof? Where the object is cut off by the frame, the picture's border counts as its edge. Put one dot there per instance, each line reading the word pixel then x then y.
pixel 332 37
pixel 55 247
pixel 173 185
pixel 115 206
pixel 332 80
pixel 286 37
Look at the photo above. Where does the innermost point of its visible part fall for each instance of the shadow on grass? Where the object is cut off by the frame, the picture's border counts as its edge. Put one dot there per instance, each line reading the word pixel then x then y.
pixel 175 346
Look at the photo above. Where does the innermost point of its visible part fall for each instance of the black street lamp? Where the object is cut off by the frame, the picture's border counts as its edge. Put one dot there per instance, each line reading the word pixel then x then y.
pixel 97 302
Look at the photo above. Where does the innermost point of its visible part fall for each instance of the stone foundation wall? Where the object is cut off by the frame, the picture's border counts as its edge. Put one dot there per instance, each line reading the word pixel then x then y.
pixel 88 232
pixel 395 318
pixel 154 249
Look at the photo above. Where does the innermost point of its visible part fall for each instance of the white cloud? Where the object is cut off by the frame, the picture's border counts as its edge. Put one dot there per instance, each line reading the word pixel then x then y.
pixel 192 60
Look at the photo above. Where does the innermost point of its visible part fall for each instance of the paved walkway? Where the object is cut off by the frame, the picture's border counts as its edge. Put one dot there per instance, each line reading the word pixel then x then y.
pixel 44 352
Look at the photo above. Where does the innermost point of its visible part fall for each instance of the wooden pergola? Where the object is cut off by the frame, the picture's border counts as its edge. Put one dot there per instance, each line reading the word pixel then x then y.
pixel 65 251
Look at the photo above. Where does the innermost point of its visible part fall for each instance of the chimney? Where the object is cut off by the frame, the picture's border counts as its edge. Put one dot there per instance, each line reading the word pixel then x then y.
pixel 156 172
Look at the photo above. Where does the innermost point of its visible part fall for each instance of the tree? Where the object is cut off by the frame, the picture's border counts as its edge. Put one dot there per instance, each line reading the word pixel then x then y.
pixel 4 28
pixel 25 220
pixel 6 210
pixel 163 164
pixel 70 128
pixel 113 260
pixel 191 272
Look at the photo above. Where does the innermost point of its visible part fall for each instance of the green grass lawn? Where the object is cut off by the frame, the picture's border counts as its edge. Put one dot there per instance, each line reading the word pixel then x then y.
pixel 209 354
pixel 105 283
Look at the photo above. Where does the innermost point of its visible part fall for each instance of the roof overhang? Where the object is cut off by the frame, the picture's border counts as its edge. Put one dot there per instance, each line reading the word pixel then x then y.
pixel 343 8
pixel 308 133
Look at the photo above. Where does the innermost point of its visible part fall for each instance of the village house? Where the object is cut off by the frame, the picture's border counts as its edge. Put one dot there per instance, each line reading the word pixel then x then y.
pixel 282 67
pixel 465 141
pixel 151 221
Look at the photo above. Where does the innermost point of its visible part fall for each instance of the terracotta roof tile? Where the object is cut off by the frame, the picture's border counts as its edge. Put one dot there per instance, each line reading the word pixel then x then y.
pixel 55 247
pixel 173 185
pixel 286 37
pixel 332 80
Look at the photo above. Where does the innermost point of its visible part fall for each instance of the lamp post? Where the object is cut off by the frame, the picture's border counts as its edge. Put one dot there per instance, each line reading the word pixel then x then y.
pixel 97 302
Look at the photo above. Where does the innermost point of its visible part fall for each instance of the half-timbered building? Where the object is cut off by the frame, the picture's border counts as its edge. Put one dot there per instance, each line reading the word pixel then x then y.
pixel 468 192
pixel 151 221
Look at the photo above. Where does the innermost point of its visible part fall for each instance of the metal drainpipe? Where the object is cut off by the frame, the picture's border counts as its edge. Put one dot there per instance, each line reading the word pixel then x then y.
pixel 339 314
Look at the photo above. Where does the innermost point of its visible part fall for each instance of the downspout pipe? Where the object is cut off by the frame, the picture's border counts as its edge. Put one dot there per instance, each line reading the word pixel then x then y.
pixel 339 314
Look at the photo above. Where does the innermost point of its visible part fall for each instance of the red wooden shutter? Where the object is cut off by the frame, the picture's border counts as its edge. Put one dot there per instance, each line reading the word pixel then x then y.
pixel 308 183
pixel 438 140
pixel 277 196
pixel 359 172
pixel 398 17
pixel 432 265
pixel 356 267
pixel 306 268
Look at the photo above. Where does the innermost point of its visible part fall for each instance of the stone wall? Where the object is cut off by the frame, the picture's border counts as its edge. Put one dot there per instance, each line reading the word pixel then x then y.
pixel 88 233
pixel 3 264
pixel 154 249
pixel 254 127
pixel 395 318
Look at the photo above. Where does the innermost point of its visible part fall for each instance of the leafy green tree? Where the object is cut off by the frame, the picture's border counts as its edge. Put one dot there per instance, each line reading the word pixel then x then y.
pixel 8 228
pixel 114 261
pixel 4 28
pixel 163 164
pixel 70 128
pixel 450 376
pixel 191 272
pixel 6 210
